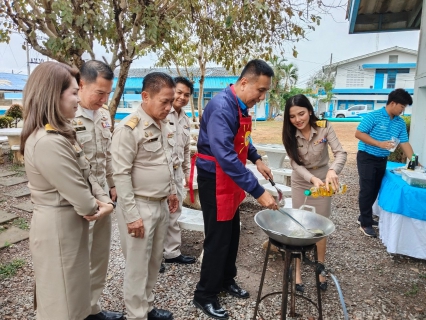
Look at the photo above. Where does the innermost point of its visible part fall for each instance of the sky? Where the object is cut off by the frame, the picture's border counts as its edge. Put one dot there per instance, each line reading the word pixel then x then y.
pixel 331 37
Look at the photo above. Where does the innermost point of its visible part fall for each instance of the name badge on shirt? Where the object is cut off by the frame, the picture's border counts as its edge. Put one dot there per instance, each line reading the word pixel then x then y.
pixel 323 140
pixel 106 124
pixel 79 128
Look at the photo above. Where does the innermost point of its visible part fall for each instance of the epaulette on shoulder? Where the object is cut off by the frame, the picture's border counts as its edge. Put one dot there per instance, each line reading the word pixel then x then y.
pixel 322 123
pixel 105 107
pixel 132 122
pixel 50 129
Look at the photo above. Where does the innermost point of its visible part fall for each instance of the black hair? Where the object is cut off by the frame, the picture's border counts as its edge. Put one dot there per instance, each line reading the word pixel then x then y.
pixel 400 96
pixel 186 82
pixel 256 68
pixel 91 69
pixel 153 82
pixel 289 130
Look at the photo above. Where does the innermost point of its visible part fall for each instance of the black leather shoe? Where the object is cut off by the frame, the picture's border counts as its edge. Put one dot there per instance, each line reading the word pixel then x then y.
pixel 212 309
pixel 162 268
pixel 182 260
pixel 106 315
pixel 160 314
pixel 236 291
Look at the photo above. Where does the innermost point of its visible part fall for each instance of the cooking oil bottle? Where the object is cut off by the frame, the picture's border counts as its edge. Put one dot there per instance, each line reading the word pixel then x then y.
pixel 322 191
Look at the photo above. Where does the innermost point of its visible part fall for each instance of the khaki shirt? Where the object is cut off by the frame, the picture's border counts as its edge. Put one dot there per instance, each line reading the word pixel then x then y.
pixel 181 153
pixel 314 152
pixel 95 138
pixel 59 174
pixel 142 161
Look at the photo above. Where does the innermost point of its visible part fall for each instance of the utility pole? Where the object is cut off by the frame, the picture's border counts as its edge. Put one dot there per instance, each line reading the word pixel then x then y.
pixel 329 78
pixel 33 60
pixel 28 58
pixel 377 41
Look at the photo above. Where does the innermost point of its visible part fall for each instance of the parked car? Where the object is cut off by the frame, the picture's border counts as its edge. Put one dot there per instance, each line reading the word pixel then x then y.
pixel 355 111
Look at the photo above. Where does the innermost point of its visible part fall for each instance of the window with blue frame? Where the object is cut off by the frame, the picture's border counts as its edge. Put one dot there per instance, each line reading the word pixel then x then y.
pixel 391 77
pixel 207 95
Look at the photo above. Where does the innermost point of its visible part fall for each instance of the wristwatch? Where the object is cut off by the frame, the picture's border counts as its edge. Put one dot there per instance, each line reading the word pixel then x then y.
pixel 113 204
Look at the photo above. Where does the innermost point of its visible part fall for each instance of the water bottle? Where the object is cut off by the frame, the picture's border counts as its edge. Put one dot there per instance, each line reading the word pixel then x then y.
pixel 322 191
pixel 412 163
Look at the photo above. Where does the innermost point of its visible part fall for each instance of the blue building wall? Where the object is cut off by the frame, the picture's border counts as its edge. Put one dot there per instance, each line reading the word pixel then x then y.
pixel 211 84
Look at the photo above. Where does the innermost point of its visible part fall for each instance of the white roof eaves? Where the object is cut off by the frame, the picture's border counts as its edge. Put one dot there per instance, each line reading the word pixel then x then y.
pixel 372 54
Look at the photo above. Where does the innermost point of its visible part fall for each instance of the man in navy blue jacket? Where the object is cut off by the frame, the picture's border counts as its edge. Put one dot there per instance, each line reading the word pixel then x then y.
pixel 223 148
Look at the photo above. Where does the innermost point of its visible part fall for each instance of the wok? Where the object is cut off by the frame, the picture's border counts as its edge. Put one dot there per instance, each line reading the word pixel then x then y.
pixel 284 230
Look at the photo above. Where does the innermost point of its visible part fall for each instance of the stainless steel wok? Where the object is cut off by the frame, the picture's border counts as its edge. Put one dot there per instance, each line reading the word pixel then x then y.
pixel 284 230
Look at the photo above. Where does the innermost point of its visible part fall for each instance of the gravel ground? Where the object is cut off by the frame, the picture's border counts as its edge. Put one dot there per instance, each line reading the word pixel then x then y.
pixel 375 284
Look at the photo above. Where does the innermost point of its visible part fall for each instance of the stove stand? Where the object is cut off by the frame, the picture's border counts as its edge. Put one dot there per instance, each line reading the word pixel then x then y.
pixel 289 255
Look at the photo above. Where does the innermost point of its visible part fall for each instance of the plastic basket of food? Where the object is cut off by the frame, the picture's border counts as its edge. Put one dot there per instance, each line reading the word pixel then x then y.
pixel 414 178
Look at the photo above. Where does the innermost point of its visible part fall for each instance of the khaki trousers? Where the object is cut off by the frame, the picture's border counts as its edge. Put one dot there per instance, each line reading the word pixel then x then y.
pixel 143 256
pixel 99 246
pixel 173 238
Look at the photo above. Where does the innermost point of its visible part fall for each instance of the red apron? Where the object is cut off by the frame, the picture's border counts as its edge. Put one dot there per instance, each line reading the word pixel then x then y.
pixel 228 194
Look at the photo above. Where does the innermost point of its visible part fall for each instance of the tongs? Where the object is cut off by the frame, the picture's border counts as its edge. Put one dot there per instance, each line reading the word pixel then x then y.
pixel 315 232
pixel 279 191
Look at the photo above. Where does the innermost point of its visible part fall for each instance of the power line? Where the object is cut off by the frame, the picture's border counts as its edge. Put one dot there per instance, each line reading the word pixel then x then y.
pixel 13 55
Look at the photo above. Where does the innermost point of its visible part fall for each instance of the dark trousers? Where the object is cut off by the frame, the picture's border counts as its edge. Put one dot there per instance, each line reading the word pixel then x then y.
pixel 221 242
pixel 371 170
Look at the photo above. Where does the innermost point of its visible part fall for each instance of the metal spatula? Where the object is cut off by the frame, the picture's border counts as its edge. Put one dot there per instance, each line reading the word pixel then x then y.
pixel 315 232
pixel 279 191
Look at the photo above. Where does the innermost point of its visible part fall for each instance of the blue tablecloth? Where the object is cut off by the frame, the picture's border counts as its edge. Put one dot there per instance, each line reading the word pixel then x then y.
pixel 397 196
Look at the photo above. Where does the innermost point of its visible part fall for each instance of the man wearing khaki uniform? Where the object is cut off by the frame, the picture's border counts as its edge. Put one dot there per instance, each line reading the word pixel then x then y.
pixel 92 123
pixel 141 151
pixel 181 168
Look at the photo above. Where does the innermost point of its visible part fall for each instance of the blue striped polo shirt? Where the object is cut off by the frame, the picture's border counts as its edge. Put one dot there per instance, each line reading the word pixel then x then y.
pixel 378 125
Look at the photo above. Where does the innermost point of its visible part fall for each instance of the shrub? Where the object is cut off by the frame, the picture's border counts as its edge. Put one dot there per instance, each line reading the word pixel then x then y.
pixel 6 122
pixel 398 155
pixel 15 111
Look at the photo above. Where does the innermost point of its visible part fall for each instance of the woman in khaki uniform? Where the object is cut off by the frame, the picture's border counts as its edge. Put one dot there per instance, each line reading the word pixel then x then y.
pixel 63 192
pixel 306 140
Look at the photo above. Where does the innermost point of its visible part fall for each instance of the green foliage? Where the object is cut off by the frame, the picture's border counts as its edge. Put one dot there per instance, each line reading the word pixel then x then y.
pixel 413 290
pixel 15 111
pixel 407 120
pixel 232 32
pixel 398 155
pixel 320 86
pixel 227 32
pixel 293 91
pixel 21 223
pixel 8 270
pixel 5 122
pixel 19 169
pixel 286 76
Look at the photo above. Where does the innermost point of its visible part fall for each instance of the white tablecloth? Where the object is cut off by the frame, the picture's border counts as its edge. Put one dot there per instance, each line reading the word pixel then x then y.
pixel 401 234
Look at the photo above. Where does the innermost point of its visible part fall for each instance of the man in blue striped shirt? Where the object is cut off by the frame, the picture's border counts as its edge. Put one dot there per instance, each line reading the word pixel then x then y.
pixel 375 133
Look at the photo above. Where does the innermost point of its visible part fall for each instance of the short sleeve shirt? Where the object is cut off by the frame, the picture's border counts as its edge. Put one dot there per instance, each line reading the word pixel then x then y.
pixel 381 127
